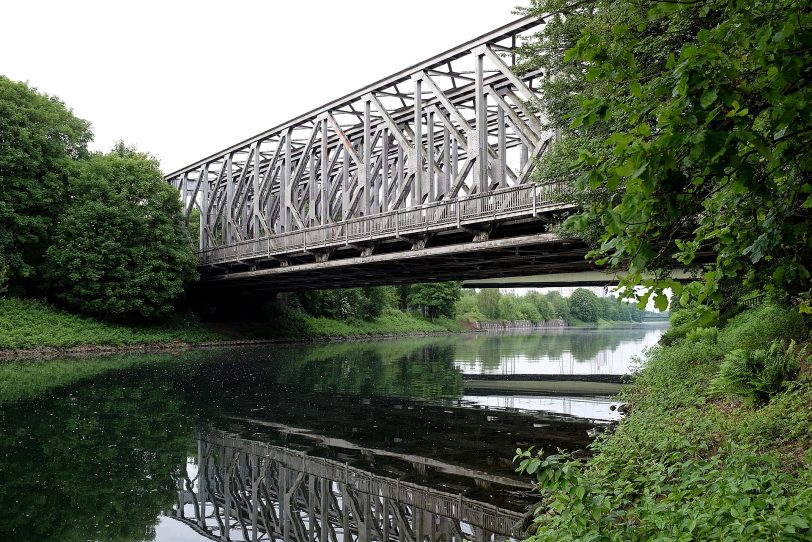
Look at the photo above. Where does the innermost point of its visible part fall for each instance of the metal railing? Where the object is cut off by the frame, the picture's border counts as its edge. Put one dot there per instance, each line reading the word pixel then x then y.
pixel 514 202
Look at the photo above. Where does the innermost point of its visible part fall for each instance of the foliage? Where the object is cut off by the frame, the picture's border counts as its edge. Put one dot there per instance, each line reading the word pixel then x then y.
pixel 758 374
pixel 488 303
pixel 584 305
pixel 293 323
pixel 39 137
pixel 682 466
pixel 346 303
pixel 98 461
pixel 435 299
pixel 731 495
pixel 34 324
pixel 120 250
pixel 688 128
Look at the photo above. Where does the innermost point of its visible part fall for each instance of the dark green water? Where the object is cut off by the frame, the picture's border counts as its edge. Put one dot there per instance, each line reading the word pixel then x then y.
pixel 355 441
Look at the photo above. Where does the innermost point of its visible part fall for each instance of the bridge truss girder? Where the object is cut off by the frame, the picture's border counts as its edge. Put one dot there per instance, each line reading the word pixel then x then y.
pixel 252 491
pixel 456 125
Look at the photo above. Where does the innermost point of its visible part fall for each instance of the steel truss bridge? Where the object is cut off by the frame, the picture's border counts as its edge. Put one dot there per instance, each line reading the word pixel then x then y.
pixel 423 175
pixel 252 491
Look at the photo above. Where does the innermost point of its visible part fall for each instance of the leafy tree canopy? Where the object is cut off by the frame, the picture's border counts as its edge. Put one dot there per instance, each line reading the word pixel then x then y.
pixel 584 305
pixel 38 138
pixel 437 299
pixel 120 249
pixel 687 131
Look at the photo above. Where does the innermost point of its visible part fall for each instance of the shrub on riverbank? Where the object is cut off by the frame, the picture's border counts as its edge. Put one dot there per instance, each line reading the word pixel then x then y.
pixel 690 463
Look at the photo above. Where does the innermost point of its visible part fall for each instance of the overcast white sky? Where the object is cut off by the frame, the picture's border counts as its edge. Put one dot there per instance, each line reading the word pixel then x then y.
pixel 184 79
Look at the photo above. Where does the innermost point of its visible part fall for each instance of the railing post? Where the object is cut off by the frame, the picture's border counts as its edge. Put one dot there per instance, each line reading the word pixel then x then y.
pixel 457 203
pixel 534 199
pixel 397 223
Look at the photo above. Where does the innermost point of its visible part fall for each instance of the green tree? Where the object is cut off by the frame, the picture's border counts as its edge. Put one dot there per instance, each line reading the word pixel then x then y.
pixel 436 299
pixel 544 308
pixel 39 138
pixel 374 299
pixel 509 307
pixel 528 311
pixel 346 303
pixel 488 302
pixel 120 248
pixel 560 305
pixel 691 128
pixel 584 305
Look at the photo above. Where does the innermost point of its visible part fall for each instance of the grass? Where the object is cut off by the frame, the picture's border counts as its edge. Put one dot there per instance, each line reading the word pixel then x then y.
pixel 34 324
pixel 26 323
pixel 691 463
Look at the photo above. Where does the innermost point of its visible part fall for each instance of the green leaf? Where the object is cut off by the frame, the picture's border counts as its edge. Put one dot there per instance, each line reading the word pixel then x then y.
pixel 708 98
pixel 661 301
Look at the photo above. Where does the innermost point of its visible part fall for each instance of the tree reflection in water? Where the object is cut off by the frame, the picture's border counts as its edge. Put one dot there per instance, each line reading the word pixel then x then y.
pixel 92 449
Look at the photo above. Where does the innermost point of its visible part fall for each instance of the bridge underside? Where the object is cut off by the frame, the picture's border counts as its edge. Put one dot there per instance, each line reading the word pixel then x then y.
pixel 512 248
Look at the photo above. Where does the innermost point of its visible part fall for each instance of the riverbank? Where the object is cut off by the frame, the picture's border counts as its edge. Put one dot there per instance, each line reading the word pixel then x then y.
pixel 691 461
pixel 32 329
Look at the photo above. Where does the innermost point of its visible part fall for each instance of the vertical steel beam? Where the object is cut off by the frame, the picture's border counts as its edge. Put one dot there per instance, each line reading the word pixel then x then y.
pixel 432 188
pixel 384 198
pixel 203 240
pixel 345 184
pixel 256 206
pixel 400 173
pixel 502 150
pixel 313 190
pixel 446 180
pixel 284 185
pixel 417 184
pixel 325 175
pixel 481 106
pixel 227 233
pixel 364 172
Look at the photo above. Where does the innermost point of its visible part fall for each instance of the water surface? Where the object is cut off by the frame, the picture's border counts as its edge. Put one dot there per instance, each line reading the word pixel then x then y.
pixel 396 440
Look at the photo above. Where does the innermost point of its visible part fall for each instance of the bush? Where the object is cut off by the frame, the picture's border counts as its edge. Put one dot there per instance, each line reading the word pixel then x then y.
pixel 758 375
pixel 120 249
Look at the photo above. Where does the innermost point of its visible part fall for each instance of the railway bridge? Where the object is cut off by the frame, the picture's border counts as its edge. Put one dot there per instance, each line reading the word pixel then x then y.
pixel 424 175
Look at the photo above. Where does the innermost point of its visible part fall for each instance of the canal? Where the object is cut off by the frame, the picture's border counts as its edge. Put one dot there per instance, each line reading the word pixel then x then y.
pixel 408 439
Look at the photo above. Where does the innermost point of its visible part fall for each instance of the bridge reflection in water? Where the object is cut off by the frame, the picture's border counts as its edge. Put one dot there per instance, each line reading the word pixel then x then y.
pixel 247 490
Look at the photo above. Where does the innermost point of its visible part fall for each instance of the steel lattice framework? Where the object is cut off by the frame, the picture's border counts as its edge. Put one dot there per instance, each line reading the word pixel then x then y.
pixel 449 140
pixel 252 491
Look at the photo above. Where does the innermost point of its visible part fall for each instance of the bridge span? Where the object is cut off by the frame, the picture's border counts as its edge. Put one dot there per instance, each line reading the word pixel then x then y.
pixel 424 175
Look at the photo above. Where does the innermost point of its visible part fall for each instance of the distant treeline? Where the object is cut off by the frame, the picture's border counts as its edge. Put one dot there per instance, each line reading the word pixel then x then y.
pixel 583 305
pixel 430 300
pixel 450 300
